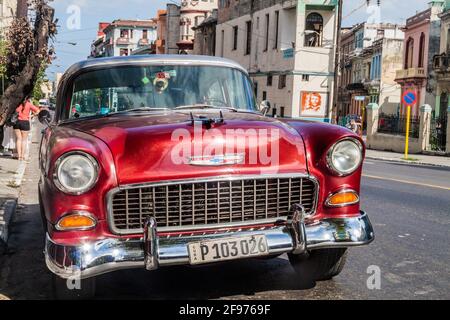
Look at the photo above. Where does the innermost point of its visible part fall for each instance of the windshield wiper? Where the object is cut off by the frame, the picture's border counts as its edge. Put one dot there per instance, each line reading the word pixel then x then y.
pixel 146 109
pixel 205 106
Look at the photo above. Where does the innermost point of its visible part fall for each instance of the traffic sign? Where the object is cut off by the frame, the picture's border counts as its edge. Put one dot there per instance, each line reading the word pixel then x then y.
pixel 409 98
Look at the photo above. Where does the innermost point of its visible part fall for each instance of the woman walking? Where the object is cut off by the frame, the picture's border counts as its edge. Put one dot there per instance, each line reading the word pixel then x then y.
pixel 23 126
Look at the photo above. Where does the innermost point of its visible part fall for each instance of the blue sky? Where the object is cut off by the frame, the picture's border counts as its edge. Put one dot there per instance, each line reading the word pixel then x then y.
pixel 94 11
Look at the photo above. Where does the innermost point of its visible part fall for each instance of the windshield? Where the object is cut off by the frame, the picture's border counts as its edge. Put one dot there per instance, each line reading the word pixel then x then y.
pixel 153 88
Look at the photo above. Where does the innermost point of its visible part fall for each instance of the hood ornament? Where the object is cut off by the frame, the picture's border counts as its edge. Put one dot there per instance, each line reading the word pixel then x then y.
pixel 217 160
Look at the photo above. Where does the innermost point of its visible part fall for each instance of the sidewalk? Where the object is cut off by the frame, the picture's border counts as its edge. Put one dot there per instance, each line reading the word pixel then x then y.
pixel 11 176
pixel 419 159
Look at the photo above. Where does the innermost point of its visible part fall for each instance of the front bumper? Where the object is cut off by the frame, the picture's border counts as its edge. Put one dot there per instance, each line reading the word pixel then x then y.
pixel 151 252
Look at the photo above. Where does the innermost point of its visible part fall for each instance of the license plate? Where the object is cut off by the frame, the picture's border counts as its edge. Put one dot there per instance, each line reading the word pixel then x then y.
pixel 227 249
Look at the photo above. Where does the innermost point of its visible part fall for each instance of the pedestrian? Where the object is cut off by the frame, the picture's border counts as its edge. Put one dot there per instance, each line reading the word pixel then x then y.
pixel 353 126
pixel 2 135
pixel 23 126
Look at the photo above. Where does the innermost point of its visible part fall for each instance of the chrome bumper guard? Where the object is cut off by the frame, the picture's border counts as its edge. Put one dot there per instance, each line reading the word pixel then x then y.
pixel 152 252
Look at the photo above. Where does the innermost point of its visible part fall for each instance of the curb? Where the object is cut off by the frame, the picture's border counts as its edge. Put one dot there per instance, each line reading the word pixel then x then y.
pixel 8 209
pixel 419 163
pixel 6 213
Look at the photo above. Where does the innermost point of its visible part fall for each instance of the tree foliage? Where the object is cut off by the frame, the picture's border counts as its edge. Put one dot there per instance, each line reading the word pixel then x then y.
pixel 27 52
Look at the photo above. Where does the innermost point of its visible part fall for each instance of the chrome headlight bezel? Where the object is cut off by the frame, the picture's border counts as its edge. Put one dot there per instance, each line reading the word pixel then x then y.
pixel 75 191
pixel 329 157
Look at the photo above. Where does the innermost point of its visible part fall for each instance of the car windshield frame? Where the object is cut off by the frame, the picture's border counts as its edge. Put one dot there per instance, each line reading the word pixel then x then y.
pixel 245 85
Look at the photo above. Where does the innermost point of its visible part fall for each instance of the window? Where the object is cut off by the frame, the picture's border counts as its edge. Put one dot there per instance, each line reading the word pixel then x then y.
pixel 448 40
pixel 359 41
pixel 235 37
pixel 282 112
pixel 282 81
pixel 269 80
pixel 144 34
pixel 277 22
pixel 222 44
pixel 124 33
pixel 314 30
pixel 422 50
pixel 248 44
pixel 264 97
pixel 123 52
pixel 266 43
pixel 305 77
pixel 116 89
pixel 375 69
pixel 409 58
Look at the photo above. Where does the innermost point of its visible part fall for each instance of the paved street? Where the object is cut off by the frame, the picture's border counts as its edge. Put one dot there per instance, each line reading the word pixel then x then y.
pixel 411 219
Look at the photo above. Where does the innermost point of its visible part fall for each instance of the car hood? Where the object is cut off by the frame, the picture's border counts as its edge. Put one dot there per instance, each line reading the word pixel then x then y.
pixel 168 146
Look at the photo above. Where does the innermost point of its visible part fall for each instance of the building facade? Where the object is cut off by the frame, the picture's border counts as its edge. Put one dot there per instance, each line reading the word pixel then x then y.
pixel 123 37
pixel 161 29
pixel 288 49
pixel 98 47
pixel 441 68
pixel 205 36
pixel 181 21
pixel 8 11
pixel 370 55
pixel 422 43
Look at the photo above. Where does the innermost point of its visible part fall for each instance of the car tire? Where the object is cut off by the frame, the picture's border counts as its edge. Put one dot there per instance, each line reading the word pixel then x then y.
pixel 319 265
pixel 61 291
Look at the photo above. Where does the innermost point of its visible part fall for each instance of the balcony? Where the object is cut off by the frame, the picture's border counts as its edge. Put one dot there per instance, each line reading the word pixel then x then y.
pixel 123 41
pixel 441 64
pixel 411 73
pixel 143 42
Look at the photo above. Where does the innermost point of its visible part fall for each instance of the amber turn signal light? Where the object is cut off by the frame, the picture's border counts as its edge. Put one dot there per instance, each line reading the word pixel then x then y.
pixel 342 199
pixel 76 221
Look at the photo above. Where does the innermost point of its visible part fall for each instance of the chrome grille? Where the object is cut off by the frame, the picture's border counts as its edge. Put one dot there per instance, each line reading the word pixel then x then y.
pixel 209 203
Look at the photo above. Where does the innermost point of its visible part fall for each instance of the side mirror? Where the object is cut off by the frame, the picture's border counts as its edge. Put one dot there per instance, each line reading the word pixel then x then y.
pixel 264 107
pixel 45 117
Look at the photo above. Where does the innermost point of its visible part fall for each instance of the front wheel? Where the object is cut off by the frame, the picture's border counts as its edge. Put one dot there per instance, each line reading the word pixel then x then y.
pixel 64 289
pixel 319 265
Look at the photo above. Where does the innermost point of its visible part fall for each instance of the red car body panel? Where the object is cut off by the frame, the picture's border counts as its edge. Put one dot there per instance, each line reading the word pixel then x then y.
pixel 137 149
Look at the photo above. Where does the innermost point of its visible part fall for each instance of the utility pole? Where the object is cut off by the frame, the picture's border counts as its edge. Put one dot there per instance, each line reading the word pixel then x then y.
pixel 337 63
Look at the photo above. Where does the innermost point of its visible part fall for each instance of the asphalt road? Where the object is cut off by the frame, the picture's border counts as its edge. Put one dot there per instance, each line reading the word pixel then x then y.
pixel 408 205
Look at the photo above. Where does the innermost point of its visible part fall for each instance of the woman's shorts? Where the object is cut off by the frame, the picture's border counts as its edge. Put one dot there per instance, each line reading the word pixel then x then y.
pixel 22 125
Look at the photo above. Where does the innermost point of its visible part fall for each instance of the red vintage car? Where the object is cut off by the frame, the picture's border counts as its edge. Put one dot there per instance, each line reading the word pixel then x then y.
pixel 156 161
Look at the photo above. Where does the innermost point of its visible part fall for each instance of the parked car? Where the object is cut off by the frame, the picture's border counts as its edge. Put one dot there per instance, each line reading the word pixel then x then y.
pixel 44 104
pixel 155 161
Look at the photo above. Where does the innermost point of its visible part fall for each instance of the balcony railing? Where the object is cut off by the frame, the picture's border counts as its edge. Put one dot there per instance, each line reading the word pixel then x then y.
pixel 123 41
pixel 143 42
pixel 396 125
pixel 441 64
pixel 410 73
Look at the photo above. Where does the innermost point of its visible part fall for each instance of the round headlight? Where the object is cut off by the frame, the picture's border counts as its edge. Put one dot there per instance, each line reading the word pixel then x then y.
pixel 76 173
pixel 345 157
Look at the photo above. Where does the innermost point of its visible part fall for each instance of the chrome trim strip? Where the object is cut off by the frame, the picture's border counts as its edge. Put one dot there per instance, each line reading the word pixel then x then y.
pixel 90 259
pixel 111 193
